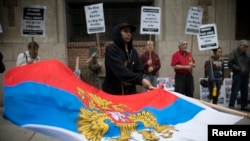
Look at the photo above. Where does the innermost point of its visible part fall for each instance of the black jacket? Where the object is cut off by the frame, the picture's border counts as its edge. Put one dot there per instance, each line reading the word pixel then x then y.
pixel 239 62
pixel 122 68
pixel 2 66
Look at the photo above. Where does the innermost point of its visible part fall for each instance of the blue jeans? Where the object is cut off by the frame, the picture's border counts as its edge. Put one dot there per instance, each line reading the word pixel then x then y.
pixel 240 84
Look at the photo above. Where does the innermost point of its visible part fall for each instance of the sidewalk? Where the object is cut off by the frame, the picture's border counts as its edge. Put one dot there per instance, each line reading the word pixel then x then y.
pixel 11 132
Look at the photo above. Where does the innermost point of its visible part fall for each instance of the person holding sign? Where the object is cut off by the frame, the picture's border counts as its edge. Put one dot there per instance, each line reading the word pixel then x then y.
pixel 183 63
pixel 30 56
pixel 151 63
pixel 239 63
pixel 94 65
pixel 97 68
pixel 123 67
pixel 215 74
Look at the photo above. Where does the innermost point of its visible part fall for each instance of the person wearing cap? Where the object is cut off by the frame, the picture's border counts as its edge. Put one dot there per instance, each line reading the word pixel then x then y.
pixel 122 63
pixel 30 56
pixel 239 63
pixel 183 63
pixel 151 63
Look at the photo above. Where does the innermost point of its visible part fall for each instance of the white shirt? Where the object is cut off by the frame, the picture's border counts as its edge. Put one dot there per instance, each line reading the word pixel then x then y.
pixel 24 57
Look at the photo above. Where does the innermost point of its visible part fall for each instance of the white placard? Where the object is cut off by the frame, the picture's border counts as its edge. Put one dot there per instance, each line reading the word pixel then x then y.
pixel 150 20
pixel 194 20
pixel 208 39
pixel 95 18
pixel 33 23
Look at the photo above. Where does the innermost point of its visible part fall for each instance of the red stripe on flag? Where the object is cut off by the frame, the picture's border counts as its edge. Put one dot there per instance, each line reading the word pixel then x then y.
pixel 55 73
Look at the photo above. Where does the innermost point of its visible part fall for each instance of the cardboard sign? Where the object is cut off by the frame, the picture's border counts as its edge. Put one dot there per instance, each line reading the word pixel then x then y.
pixel 95 18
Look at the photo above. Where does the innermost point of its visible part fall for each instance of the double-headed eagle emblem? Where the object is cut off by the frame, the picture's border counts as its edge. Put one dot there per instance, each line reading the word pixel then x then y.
pixel 94 121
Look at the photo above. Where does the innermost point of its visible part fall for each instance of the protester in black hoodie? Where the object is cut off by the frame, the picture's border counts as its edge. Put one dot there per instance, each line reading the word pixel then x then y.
pixel 2 66
pixel 123 67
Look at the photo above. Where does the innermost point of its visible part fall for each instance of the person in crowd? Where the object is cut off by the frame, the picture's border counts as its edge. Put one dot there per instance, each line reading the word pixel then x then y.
pixel 239 63
pixel 215 74
pixel 102 73
pixel 2 65
pixel 30 56
pixel 97 68
pixel 183 63
pixel 151 63
pixel 122 63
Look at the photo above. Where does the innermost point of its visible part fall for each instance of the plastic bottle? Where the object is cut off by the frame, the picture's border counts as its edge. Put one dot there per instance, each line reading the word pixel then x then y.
pixel 214 91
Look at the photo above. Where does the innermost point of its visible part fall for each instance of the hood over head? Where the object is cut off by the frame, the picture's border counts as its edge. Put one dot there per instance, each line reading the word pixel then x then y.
pixel 117 38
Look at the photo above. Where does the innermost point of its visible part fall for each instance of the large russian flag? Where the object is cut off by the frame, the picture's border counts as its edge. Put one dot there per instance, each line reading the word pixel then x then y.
pixel 48 98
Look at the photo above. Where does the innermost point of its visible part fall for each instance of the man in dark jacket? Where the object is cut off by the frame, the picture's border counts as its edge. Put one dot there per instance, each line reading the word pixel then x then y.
pixel 239 63
pixel 2 66
pixel 123 67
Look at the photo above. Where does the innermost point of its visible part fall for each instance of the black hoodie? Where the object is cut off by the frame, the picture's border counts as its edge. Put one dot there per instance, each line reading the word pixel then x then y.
pixel 123 69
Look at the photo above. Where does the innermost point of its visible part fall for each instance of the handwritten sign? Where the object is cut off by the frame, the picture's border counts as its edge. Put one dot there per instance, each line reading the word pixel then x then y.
pixel 95 18
pixel 150 20
pixel 33 23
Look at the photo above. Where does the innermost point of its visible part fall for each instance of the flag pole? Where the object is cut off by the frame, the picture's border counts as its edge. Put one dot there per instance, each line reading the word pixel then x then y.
pixel 225 109
pixel 98 45
pixel 150 51
pixel 77 63
pixel 77 70
pixel 191 49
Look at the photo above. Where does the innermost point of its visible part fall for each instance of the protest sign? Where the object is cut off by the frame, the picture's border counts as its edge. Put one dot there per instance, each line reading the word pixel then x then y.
pixel 33 23
pixel 150 20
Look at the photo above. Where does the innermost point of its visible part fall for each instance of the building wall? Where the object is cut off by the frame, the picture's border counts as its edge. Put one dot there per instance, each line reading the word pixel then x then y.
pixel 52 46
pixel 174 13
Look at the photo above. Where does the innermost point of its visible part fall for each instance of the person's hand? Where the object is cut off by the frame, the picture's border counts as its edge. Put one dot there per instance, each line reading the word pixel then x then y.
pixel 189 67
pixel 150 69
pixel 100 64
pixel 151 87
pixel 89 60
pixel 217 64
pixel 149 62
pixel 30 61
pixel 147 84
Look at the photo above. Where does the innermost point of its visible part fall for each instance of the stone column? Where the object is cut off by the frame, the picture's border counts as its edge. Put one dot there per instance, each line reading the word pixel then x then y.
pixel 61 21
